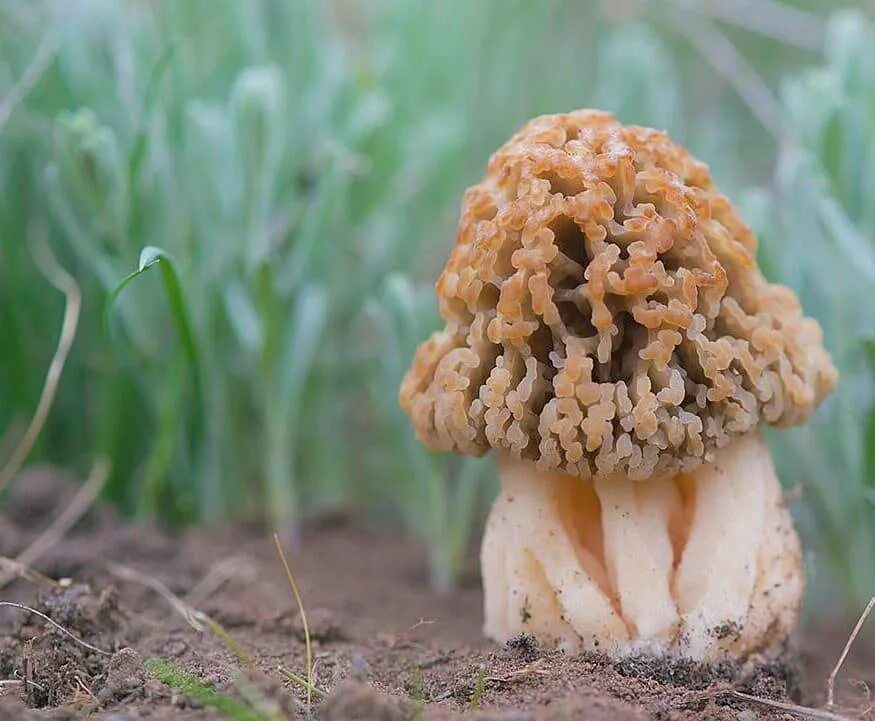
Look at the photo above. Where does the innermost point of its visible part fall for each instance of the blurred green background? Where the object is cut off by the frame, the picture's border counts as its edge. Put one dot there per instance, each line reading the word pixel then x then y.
pixel 300 166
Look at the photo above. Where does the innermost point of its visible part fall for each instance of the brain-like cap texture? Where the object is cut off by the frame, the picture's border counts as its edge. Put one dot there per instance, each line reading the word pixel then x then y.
pixel 605 313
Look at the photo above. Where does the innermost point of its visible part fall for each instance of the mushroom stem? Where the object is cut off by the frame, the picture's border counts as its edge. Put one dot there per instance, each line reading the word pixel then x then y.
pixel 695 565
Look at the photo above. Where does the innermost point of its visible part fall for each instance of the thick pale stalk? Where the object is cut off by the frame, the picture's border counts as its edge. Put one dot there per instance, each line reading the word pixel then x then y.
pixel 535 569
pixel 699 565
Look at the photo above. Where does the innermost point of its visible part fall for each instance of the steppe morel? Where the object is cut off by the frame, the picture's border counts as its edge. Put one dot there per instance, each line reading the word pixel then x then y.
pixel 609 334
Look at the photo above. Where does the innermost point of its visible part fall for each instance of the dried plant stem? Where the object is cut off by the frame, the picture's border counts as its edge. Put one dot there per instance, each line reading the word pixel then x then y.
pixel 304 683
pixel 520 674
pixel 830 682
pixel 198 620
pixel 814 713
pixel 792 708
pixel 307 642
pixel 64 282
pixel 11 567
pixel 20 682
pixel 192 616
pixel 56 625
pixel 82 501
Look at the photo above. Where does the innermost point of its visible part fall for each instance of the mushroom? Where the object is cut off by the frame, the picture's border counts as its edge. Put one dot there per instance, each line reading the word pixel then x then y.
pixel 610 336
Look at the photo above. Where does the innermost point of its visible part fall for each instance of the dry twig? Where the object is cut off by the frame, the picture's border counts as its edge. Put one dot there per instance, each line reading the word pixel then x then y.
pixel 419 624
pixel 12 682
pixel 830 682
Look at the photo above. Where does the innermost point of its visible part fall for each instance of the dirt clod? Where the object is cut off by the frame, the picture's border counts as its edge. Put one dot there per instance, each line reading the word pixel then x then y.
pixel 774 678
pixel 358 702
pixel 525 645
pixel 324 626
pixel 675 672
pixel 125 677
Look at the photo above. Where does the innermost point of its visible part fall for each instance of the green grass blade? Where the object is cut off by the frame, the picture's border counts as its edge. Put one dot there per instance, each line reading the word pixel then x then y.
pixel 156 257
pixel 201 692
pixel 297 356
pixel 207 474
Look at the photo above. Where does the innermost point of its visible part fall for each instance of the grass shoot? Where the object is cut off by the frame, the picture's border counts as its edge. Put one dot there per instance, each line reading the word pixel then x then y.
pixel 308 644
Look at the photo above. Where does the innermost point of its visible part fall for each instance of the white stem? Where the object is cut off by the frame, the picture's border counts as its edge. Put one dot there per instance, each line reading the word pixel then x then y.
pixel 700 565
pixel 738 509
pixel 639 553
pixel 543 586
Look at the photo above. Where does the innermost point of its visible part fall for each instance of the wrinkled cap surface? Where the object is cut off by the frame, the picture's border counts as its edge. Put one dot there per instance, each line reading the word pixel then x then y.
pixel 604 312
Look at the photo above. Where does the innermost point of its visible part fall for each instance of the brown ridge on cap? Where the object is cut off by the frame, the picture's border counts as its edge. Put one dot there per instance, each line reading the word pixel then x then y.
pixel 605 313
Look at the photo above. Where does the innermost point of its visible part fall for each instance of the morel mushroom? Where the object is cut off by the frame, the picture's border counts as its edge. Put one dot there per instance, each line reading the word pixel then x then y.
pixel 610 336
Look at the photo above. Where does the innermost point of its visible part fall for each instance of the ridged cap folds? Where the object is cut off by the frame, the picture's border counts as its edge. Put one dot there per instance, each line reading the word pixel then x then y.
pixel 605 313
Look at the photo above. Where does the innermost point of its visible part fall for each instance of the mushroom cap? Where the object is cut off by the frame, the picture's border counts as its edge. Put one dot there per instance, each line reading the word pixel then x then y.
pixel 605 313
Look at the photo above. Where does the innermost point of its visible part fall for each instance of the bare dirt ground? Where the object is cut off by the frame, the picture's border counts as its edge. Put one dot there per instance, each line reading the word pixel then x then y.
pixel 385 645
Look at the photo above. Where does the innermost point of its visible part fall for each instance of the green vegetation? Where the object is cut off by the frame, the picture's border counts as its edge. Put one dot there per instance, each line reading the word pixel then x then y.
pixel 204 694
pixel 479 688
pixel 818 235
pixel 289 172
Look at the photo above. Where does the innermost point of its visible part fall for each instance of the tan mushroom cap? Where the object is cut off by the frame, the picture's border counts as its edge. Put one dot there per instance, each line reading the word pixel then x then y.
pixel 605 313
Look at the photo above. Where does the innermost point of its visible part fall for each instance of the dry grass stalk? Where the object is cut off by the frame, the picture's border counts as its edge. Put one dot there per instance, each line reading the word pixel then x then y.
pixel 48 265
pixel 830 682
pixel 11 567
pixel 791 708
pixel 198 620
pixel 193 617
pixel 520 674
pixel 807 712
pixel 307 641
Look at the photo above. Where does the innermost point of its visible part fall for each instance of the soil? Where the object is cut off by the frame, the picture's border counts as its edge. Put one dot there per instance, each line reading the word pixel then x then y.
pixel 385 645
